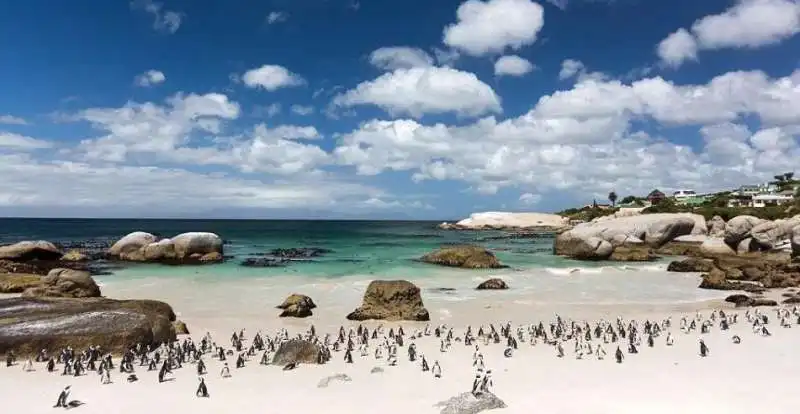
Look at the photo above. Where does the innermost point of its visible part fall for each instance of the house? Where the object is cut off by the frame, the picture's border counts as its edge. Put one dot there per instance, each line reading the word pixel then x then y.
pixel 764 200
pixel 683 194
pixel 656 197
pixel 751 190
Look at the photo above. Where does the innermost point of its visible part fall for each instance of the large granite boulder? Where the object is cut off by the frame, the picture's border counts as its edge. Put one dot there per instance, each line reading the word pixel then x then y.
pixel 772 234
pixel 468 257
pixel 597 240
pixel 191 248
pixel 716 247
pixel 739 228
pixel 493 284
pixel 716 227
pixel 296 306
pixel 65 283
pixel 392 300
pixel 468 403
pixel 28 325
pixel 30 250
pixel 18 282
pixel 632 253
pixel 717 279
pixel 298 351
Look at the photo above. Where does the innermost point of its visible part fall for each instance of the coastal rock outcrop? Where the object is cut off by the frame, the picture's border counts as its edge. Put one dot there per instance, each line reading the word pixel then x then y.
pixel 713 247
pixel 716 227
pixel 28 325
pixel 494 220
pixel 493 284
pixel 738 229
pixel 469 403
pixel 691 264
pixel 65 283
pixel 18 282
pixel 392 300
pixel 296 306
pixel 30 250
pixel 597 240
pixel 298 351
pixel 185 248
pixel 632 253
pixel 468 257
pixel 749 301
pixel 300 252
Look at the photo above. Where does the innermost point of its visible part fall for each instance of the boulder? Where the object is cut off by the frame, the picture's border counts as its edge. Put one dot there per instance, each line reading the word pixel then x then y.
pixel 298 351
pixel 74 256
pixel 716 247
pixel 770 235
pixel 747 245
pixel 180 328
pixel 130 246
pixel 391 300
pixel 738 229
pixel 264 262
pixel 493 284
pixel 323 383
pixel 762 302
pixel 596 240
pixel 468 403
pixel 632 254
pixel 29 325
pixel 185 248
pixel 65 283
pixel 467 257
pixel 792 300
pixel 18 282
pixel 30 250
pixel 202 243
pixel 691 264
pixel 739 300
pixel 494 220
pixel 795 241
pixel 716 279
pixel 297 306
pixel 716 227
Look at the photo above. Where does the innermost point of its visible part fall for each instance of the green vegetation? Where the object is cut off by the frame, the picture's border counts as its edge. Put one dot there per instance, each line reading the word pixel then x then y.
pixel 712 208
pixel 629 199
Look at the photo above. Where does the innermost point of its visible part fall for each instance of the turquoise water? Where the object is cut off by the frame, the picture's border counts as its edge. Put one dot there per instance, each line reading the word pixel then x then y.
pixel 383 248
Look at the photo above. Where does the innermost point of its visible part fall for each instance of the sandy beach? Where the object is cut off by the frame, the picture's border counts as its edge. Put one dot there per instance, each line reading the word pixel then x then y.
pixel 757 374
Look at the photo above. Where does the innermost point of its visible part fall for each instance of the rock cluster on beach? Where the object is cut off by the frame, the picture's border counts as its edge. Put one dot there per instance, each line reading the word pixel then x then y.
pixel 194 247
pixel 391 300
pixel 297 351
pixel 296 306
pixel 467 257
pixel 493 284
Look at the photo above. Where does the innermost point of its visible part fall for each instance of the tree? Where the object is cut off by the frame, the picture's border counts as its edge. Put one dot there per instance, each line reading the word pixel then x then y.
pixel 612 197
pixel 789 176
pixel 779 178
pixel 628 200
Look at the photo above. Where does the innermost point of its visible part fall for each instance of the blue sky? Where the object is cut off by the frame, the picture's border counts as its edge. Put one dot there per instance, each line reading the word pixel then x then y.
pixel 385 109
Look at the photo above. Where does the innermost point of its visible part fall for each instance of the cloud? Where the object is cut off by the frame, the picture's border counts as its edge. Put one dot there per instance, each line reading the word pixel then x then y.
pixel 150 78
pixel 418 91
pixel 21 143
pixel 747 24
pixel 399 57
pixel 493 26
pixel 302 110
pixel 268 111
pixel 512 65
pixel 271 78
pixel 165 20
pixel 12 120
pixel 571 68
pixel 584 141
pixel 277 17
pixel 530 199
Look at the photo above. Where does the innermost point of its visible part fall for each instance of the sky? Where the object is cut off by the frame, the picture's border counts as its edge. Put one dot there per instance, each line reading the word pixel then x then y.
pixel 380 109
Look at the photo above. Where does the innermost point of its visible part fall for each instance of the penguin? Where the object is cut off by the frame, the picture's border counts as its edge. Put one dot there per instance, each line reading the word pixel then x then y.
pixel 62 398
pixel 437 370
pixel 507 352
pixel 348 357
pixel 670 340
pixel 225 372
pixel 425 367
pixel 703 349
pixel 290 366
pixel 28 367
pixel 202 390
pixel 132 378
pixel 486 382
pixel 650 341
pixel 737 339
pixel 619 355
pixel 51 365
pixel 560 350
pixel 476 384
pixel 600 352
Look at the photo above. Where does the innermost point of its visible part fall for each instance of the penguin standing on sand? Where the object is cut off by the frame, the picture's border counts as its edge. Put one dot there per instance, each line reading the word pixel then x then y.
pixel 201 367
pixel 412 352
pixel 619 355
pixel 560 350
pixel 437 370
pixel 600 352
pixel 425 367
pixel 348 357
pixel 225 372
pixel 62 398
pixel 202 390
pixel 476 384
pixel 703 349
pixel 737 339
pixel 670 340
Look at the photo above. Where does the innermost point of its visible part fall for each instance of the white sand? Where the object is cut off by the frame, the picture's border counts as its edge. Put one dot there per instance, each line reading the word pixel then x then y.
pixel 760 374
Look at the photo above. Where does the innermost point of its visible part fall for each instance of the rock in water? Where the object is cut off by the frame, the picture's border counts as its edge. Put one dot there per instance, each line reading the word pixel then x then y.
pixel 298 351
pixel 297 306
pixel 29 325
pixel 30 250
pixel 467 403
pixel 392 300
pixel 130 246
pixel 468 257
pixel 323 383
pixel 300 252
pixel 493 284
pixel 65 283
pixel 192 248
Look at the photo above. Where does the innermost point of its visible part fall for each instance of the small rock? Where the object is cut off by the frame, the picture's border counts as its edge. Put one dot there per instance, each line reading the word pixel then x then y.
pixel 691 264
pixel 493 284
pixel 74 256
pixel 65 283
pixel 739 300
pixel 393 300
pixel 793 300
pixel 264 262
pixel 467 403
pixel 632 254
pixel 467 257
pixel 298 351
pixel 180 328
pixel 323 383
pixel 297 306
pixel 376 370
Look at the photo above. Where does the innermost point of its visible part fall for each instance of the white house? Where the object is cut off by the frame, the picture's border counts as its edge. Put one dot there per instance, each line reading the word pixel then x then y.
pixel 763 200
pixel 683 194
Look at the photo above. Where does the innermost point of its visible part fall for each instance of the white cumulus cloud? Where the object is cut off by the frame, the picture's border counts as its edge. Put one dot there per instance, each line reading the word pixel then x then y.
pixel 271 78
pixel 12 120
pixel 150 78
pixel 490 27
pixel 399 57
pixel 418 91
pixel 512 65
pixel 164 20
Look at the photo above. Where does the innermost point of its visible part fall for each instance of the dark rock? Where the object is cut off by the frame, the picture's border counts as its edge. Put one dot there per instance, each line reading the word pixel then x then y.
pixel 679 248
pixel 763 302
pixel 468 257
pixel 739 300
pixel 391 300
pixel 793 300
pixel 297 306
pixel 28 325
pixel 691 264
pixel 300 252
pixel 65 283
pixel 296 351
pixel 631 253
pixel 717 280
pixel 467 403
pixel 30 250
pixel 264 262
pixel 493 284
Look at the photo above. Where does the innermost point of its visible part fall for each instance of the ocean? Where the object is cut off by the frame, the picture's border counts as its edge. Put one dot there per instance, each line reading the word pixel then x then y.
pixel 361 251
